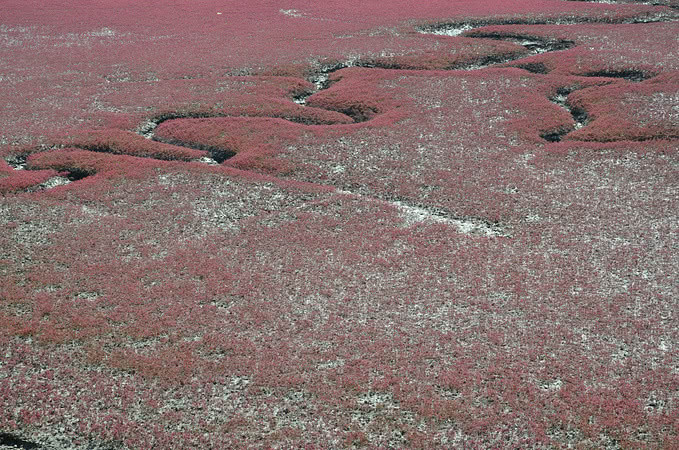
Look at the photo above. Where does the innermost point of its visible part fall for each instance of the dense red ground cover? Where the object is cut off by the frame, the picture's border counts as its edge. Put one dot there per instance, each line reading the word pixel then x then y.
pixel 339 224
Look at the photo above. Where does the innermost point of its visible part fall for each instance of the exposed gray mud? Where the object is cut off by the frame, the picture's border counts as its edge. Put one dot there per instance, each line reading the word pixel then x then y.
pixel 457 28
pixel 579 116
pixel 320 78
pixel 464 224
pixel 17 162
pixel 413 214
pixel 666 3
pixel 51 183
pixel 534 44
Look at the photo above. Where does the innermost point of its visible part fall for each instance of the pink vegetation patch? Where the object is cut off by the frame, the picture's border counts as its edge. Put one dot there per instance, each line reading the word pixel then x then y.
pixel 437 224
pixel 21 180
pixel 639 111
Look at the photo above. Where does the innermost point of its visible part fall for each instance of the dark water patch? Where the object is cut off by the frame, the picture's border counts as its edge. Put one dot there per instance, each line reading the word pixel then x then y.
pixel 537 68
pixel 555 136
pixel 15 441
pixel 75 173
pixel 359 113
pixel 580 116
pixel 302 97
pixel 627 74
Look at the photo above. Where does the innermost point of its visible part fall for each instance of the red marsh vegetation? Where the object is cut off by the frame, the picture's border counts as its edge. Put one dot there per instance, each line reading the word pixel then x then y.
pixel 440 224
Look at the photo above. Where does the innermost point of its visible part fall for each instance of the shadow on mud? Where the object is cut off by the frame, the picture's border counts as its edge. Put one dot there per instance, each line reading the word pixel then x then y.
pixel 12 440
pixel 627 74
pixel 579 115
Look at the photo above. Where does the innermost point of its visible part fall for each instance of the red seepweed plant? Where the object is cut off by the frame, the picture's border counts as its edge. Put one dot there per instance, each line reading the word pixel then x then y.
pixel 443 224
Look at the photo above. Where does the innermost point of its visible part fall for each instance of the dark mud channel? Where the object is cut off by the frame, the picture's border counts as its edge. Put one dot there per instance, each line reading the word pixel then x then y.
pixel 12 440
pixel 579 115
